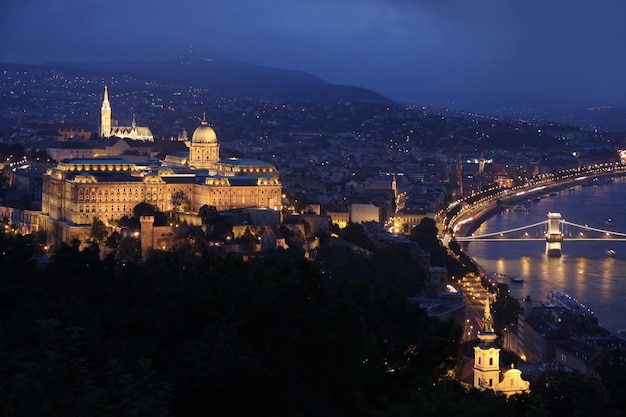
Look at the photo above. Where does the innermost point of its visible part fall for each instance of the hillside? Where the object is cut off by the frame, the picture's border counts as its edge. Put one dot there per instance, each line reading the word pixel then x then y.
pixel 236 80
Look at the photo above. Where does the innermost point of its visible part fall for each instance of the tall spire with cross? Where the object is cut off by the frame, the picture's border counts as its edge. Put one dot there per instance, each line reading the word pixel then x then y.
pixel 105 115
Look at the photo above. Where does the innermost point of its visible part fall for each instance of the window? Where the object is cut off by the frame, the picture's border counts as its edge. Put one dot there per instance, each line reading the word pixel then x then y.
pixel 490 361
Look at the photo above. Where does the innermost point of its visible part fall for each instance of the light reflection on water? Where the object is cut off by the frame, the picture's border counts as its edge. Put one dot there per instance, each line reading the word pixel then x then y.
pixel 583 270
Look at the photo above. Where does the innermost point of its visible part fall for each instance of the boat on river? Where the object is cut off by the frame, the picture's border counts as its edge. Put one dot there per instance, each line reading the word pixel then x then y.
pixel 610 252
pixel 562 299
pixel 514 278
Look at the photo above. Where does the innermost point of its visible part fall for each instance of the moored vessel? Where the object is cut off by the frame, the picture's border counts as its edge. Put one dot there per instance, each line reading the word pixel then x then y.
pixel 562 299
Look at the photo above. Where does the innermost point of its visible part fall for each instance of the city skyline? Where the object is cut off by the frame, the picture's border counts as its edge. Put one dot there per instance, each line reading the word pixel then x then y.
pixel 534 52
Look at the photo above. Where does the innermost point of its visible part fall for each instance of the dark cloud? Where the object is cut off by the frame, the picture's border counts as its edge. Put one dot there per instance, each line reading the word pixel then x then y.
pixel 415 49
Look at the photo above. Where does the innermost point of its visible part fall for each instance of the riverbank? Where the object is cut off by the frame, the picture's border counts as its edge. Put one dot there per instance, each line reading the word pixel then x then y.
pixel 584 270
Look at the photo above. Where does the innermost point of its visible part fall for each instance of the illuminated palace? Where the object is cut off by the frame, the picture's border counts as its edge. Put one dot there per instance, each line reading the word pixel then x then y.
pixel 110 128
pixel 78 190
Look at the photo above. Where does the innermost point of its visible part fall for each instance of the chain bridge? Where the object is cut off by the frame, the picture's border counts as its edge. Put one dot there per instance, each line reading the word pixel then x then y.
pixel 553 231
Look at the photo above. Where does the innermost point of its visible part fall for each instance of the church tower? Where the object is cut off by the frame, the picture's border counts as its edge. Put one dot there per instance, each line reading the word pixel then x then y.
pixel 487 373
pixel 486 355
pixel 105 115
pixel 481 164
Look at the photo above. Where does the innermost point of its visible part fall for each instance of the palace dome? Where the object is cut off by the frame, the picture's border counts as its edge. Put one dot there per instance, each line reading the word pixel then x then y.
pixel 204 134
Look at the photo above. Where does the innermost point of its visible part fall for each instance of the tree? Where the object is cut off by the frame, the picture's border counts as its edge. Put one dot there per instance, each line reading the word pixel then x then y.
pixel 208 214
pixel 98 232
pixel 181 202
pixel 114 239
pixel 196 239
pixel 299 200
pixel 222 229
pixel 144 209
pixel 355 234
pixel 505 311
pixel 128 251
pixel 425 234
pixel 249 238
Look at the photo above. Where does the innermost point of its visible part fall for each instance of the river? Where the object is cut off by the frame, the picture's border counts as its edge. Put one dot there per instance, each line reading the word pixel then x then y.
pixel 583 270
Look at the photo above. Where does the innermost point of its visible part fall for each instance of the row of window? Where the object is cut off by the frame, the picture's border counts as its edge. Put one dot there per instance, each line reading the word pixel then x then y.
pixel 118 191
pixel 106 198
pixel 93 190
pixel 251 192
pixel 219 202
pixel 93 209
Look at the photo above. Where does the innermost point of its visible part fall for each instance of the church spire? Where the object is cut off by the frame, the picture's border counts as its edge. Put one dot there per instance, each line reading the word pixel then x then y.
pixel 487 319
pixel 481 163
pixel 487 334
pixel 105 115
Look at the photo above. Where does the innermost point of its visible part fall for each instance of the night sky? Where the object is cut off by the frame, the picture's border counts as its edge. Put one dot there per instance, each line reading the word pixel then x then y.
pixel 548 50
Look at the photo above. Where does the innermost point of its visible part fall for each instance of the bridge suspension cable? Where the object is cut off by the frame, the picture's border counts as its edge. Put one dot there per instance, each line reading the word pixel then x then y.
pixel 507 231
pixel 593 229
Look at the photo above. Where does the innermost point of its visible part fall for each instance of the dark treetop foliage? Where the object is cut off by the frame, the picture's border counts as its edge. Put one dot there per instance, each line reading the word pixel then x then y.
pixel 175 335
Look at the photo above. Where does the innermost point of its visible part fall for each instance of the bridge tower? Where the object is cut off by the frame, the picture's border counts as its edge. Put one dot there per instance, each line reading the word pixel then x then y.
pixel 554 237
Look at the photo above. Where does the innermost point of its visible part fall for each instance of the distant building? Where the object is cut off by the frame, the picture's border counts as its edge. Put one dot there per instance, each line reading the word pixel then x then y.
pixel 552 333
pixel 71 150
pixel 130 147
pixel 362 213
pixel 339 216
pixel 67 131
pixel 110 128
pixel 272 238
pixel 406 219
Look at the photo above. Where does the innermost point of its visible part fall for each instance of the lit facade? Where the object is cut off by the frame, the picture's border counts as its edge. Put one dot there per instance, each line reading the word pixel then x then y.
pixel 110 128
pixel 76 191
pixel 487 372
